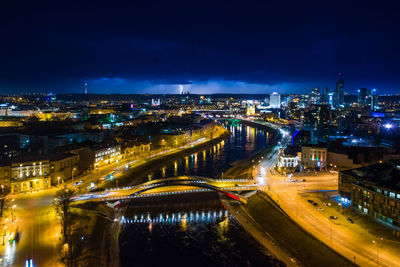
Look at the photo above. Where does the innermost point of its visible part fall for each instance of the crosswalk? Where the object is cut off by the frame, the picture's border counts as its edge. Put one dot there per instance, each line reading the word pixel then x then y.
pixel 37 214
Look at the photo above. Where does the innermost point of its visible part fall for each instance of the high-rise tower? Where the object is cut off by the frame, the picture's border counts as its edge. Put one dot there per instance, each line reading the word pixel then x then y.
pixel 315 96
pixel 86 86
pixel 339 91
pixel 275 100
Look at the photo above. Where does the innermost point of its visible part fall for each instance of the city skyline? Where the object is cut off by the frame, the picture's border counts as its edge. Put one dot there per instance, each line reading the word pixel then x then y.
pixel 215 47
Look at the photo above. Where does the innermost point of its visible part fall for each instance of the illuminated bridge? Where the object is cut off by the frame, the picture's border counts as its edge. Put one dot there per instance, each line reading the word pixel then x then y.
pixel 175 184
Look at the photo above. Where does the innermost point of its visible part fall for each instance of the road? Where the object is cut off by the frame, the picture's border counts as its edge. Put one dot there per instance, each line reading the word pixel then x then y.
pixel 349 239
pixel 39 231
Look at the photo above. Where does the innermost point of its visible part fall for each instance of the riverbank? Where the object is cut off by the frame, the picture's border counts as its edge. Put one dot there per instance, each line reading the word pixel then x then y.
pixel 103 245
pixel 95 245
pixel 243 169
pixel 138 173
pixel 270 225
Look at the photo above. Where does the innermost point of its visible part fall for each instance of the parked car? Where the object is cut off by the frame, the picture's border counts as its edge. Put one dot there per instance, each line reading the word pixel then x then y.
pixel 349 220
pixel 333 217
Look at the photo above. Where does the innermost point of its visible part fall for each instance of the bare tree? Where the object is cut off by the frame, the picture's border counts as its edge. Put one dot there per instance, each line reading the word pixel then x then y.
pixel 73 247
pixel 3 198
pixel 63 206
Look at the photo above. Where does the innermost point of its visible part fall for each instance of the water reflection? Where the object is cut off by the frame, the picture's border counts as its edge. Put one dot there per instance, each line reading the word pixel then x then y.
pixel 191 230
pixel 211 162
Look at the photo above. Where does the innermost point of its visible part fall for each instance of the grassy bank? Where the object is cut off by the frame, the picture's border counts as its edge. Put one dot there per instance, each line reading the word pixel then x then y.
pixel 98 242
pixel 288 235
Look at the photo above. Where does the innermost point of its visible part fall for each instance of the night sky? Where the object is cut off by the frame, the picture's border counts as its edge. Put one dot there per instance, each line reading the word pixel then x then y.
pixel 206 46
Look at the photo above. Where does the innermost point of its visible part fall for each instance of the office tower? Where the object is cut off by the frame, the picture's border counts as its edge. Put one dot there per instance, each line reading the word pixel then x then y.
pixel 324 95
pixel 317 120
pixel 275 100
pixel 374 100
pixel 339 91
pixel 367 98
pixel 331 99
pixel 315 96
pixel 364 96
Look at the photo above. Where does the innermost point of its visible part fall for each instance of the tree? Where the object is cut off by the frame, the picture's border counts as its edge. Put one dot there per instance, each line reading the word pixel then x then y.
pixel 3 198
pixel 62 203
pixel 73 246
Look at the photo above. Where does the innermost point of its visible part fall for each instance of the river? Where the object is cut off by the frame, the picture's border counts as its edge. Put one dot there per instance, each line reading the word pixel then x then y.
pixel 194 229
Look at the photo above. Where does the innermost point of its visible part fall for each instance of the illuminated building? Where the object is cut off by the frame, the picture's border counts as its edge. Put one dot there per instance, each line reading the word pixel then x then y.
pixel 251 110
pixel 104 155
pixel 315 96
pixel 275 100
pixel 287 158
pixel 373 190
pixel 314 156
pixel 30 174
pixel 324 99
pixel 340 92
pixel 331 99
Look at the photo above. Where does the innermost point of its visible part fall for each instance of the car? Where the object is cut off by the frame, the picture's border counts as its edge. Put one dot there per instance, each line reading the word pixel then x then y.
pixel 321 209
pixel 302 180
pixel 310 201
pixel 333 217
pixel 327 204
pixel 315 204
pixel 349 220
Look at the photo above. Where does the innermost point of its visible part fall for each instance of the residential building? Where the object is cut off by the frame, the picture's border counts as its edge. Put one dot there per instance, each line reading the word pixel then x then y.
pixel 106 154
pixel 374 190
pixel 63 167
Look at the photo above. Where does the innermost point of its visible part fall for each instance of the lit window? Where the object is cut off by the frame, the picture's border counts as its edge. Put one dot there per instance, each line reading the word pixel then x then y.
pixel 392 195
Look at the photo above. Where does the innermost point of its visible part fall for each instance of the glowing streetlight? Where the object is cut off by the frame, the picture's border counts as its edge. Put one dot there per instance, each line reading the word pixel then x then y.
pixel 388 126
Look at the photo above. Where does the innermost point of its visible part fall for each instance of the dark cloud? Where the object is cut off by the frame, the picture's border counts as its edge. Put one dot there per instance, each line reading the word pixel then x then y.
pixel 54 45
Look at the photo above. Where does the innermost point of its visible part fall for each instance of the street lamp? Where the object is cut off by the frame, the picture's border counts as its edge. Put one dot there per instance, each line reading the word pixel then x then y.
pixel 377 249
pixel 72 178
pixel 58 178
pixel 330 231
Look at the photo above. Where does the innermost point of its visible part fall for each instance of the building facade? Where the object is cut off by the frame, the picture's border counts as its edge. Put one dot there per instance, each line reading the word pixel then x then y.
pixel 275 100
pixel 63 167
pixel 374 190
pixel 287 160
pixel 314 157
pixel 108 154
pixel 29 175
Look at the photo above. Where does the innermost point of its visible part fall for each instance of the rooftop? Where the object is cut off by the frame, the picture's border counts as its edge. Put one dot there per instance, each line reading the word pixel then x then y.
pixel 385 175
